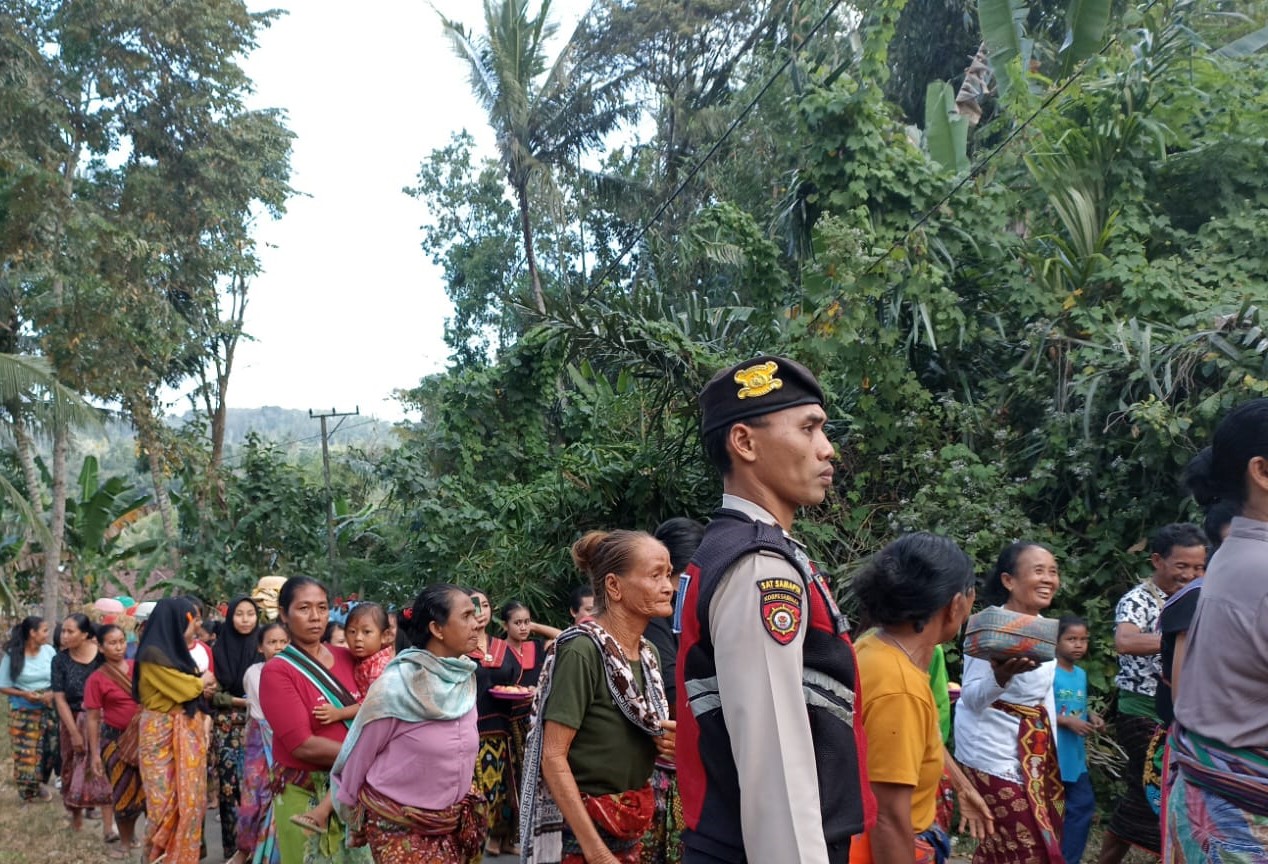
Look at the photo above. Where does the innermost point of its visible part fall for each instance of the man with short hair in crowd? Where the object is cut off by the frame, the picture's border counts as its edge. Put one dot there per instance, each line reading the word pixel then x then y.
pixel 1178 554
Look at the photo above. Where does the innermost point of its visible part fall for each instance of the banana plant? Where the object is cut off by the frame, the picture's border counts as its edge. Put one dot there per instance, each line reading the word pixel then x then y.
pixel 96 517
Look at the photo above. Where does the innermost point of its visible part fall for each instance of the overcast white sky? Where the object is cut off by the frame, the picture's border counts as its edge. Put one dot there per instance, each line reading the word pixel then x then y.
pixel 349 308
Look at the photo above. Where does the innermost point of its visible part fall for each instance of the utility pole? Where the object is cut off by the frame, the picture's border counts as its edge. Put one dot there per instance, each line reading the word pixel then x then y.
pixel 330 497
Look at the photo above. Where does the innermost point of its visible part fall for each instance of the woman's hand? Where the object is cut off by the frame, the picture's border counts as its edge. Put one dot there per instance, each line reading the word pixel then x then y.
pixel 1077 725
pixel 602 855
pixel 76 740
pixel 95 767
pixel 975 816
pixel 667 743
pixel 325 713
pixel 1006 669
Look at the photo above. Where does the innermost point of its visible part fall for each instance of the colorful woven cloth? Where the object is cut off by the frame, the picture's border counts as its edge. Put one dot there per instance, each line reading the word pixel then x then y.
pixel 1238 774
pixel 253 805
pixel 1203 827
pixel 80 788
pixel 410 835
pixel 26 731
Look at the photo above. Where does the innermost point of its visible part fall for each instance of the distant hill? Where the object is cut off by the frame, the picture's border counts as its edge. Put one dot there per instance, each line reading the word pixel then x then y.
pixel 287 426
pixel 114 443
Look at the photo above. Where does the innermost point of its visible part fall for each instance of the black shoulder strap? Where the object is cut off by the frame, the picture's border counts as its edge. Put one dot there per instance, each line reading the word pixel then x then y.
pixel 723 546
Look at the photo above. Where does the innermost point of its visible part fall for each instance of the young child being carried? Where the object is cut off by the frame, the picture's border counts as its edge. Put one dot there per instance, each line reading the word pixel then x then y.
pixel 370 639
pixel 1074 723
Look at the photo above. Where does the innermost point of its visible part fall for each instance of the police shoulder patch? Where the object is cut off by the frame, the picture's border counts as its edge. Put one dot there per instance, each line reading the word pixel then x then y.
pixel 780 607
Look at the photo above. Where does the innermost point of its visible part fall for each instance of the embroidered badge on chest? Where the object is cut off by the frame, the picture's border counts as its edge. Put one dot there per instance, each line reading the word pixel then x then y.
pixel 780 607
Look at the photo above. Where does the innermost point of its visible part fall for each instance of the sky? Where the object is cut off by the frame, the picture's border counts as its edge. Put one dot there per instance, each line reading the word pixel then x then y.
pixel 348 307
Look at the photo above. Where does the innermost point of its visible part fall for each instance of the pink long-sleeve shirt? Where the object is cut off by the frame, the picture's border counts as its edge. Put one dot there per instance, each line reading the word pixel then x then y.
pixel 427 765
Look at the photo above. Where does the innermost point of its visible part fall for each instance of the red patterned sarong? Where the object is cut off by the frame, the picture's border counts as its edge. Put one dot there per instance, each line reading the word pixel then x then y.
pixel 621 819
pixel 1028 815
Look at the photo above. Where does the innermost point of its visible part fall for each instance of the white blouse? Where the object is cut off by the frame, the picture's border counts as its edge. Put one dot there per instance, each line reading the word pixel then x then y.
pixel 985 737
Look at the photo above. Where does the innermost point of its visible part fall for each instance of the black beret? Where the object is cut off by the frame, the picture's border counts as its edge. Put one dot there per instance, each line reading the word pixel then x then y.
pixel 755 387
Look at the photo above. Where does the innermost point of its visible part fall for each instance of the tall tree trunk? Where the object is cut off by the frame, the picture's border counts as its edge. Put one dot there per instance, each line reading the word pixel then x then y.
pixel 57 525
pixel 521 193
pixel 30 472
pixel 147 434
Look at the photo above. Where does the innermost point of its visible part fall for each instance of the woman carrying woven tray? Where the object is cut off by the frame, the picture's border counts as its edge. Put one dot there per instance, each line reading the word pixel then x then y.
pixel 1217 809
pixel 113 735
pixel 600 716
pixel 420 712
pixel 918 590
pixel 1004 733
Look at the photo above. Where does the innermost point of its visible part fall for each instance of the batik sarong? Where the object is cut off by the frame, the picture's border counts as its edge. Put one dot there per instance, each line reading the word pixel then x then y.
pixel 26 731
pixel 125 778
pixel 409 835
pixel 228 739
pixel 173 766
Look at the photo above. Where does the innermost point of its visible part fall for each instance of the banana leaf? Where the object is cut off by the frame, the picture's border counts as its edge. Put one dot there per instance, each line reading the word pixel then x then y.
pixel 946 132
pixel 1086 21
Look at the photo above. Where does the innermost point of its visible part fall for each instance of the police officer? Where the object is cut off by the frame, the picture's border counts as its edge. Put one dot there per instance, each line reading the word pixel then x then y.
pixel 768 751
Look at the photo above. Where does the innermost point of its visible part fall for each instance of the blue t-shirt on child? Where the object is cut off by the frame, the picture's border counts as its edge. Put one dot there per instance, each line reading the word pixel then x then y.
pixel 1070 691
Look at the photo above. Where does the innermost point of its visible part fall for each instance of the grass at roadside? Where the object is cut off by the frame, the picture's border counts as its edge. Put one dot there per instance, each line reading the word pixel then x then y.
pixel 39 833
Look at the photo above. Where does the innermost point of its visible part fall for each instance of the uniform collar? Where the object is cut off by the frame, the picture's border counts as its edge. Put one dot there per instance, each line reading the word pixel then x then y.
pixel 755 512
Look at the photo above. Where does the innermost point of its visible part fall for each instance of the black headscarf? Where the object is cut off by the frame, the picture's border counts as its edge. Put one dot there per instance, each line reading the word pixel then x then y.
pixel 233 652
pixel 163 642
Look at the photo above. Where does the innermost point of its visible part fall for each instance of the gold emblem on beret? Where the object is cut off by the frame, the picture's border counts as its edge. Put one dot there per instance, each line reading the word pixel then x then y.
pixel 758 380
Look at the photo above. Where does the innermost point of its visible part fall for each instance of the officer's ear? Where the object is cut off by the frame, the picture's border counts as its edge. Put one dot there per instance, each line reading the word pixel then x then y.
pixel 740 442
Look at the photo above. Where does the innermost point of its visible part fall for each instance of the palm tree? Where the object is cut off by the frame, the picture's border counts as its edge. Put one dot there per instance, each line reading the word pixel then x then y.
pixel 541 115
pixel 36 403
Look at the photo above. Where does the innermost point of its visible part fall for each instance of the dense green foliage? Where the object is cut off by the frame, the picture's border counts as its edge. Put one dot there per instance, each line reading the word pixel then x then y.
pixel 1037 355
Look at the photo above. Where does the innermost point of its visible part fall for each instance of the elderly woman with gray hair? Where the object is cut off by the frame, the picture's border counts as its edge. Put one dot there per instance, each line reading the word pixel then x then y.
pixel 600 716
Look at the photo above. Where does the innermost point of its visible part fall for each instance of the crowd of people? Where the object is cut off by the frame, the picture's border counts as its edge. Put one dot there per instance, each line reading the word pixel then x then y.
pixel 709 703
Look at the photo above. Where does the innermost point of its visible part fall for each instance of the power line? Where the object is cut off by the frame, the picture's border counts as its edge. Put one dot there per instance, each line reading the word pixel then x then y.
pixel 695 169
pixel 237 457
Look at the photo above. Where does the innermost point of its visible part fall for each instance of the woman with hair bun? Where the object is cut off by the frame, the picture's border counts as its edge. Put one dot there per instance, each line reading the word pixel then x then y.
pixel 1217 808
pixel 918 590
pixel 72 666
pixel 1004 722
pixel 420 712
pixel 26 678
pixel 600 716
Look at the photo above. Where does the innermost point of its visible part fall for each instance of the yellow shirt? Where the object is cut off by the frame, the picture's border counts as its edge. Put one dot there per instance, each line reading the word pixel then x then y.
pixel 904 745
pixel 164 689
